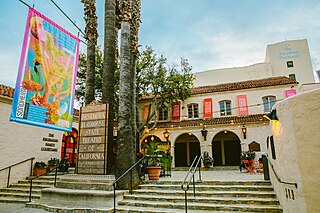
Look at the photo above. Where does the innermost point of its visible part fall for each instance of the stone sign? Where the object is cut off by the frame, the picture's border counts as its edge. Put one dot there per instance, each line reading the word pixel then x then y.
pixel 92 156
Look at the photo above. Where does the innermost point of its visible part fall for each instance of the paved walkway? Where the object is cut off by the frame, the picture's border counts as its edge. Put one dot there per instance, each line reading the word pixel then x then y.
pixel 175 176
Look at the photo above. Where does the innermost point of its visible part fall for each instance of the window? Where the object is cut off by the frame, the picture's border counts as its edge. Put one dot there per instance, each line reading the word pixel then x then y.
pixel 289 64
pixel 193 111
pixel 163 114
pixel 268 103
pixel 254 146
pixel 225 108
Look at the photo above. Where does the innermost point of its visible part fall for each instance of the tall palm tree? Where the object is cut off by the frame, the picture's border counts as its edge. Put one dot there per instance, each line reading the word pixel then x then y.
pixel 126 153
pixel 109 67
pixel 92 36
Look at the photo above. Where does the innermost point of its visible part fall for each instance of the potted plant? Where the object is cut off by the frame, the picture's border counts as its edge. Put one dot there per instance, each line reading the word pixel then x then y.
pixel 154 165
pixel 248 160
pixel 207 160
pixel 52 162
pixel 40 168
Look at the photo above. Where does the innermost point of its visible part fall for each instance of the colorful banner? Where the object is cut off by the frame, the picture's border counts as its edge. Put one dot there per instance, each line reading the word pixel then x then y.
pixel 176 111
pixel 45 85
pixel 207 108
pixel 290 92
pixel 242 105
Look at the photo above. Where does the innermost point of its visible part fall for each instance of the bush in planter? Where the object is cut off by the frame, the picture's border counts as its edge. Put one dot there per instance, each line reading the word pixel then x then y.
pixel 248 155
pixel 53 162
pixel 40 168
pixel 207 160
pixel 154 165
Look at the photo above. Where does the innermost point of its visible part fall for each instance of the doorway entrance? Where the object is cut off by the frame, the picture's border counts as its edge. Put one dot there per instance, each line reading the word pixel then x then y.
pixel 226 149
pixel 69 147
pixel 187 147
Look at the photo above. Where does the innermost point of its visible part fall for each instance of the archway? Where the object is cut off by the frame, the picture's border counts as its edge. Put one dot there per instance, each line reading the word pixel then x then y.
pixel 226 149
pixel 69 147
pixel 186 148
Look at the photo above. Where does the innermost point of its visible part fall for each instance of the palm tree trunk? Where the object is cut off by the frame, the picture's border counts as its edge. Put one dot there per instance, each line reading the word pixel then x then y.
pixel 126 154
pixel 92 33
pixel 109 67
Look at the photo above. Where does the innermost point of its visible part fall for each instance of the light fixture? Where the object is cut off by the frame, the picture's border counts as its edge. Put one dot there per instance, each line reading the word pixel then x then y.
pixel 244 132
pixel 204 133
pixel 166 135
pixel 152 138
pixel 272 116
pixel 225 131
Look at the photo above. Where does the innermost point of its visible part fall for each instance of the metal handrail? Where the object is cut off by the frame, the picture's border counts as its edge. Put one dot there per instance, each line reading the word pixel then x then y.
pixel 36 177
pixel 186 184
pixel 119 178
pixel 275 173
pixel 9 167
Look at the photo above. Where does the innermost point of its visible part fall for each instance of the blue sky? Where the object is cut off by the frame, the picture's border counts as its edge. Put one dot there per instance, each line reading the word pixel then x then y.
pixel 210 33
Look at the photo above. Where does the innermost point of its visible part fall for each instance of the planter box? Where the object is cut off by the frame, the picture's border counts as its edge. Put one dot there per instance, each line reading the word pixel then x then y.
pixel 39 171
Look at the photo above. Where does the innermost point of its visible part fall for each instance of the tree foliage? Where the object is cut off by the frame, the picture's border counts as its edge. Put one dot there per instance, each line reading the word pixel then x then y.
pixel 155 77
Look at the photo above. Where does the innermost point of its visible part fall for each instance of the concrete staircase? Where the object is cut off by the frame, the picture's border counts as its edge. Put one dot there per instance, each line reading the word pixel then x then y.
pixel 19 192
pixel 211 196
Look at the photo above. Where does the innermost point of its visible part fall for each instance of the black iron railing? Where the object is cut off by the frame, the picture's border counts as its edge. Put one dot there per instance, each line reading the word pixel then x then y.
pixel 119 178
pixel 31 178
pixel 9 168
pixel 187 180
pixel 276 175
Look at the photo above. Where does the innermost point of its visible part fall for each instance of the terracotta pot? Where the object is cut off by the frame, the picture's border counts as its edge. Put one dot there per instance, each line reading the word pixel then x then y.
pixel 154 172
pixel 39 171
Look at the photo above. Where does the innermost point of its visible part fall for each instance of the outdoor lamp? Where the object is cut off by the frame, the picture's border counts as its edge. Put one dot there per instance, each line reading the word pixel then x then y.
pixel 272 115
pixel 244 132
pixel 204 133
pixel 166 135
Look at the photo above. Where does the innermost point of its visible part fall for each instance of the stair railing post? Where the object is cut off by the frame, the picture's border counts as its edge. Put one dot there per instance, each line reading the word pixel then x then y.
pixel 55 176
pixel 131 182
pixel 31 166
pixel 114 198
pixel 186 200
pixel 8 180
pixel 30 194
pixel 194 186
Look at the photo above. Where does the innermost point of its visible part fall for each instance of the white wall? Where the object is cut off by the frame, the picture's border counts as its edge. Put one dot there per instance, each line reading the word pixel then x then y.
pixel 20 141
pixel 235 74
pixel 297 148
pixel 297 51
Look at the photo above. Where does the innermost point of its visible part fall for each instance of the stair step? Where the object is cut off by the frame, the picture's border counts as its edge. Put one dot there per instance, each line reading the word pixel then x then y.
pixel 226 182
pixel 15 200
pixel 210 200
pixel 210 187
pixel 37 181
pixel 19 195
pixel 22 190
pixel 261 194
pixel 27 186
pixel 203 206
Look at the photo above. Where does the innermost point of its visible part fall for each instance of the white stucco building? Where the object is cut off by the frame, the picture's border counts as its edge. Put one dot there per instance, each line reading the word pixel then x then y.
pixel 230 102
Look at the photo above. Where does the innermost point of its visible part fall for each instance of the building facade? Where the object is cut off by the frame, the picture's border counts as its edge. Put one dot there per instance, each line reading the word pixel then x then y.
pixel 225 113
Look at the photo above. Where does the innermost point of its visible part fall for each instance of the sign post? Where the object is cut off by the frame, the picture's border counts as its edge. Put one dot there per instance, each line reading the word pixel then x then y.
pixel 92 156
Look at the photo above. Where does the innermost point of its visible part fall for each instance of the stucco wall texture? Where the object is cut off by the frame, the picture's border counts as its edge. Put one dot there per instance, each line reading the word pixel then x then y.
pixel 297 148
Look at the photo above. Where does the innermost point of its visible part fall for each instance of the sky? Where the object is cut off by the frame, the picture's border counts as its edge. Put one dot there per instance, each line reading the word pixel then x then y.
pixel 211 34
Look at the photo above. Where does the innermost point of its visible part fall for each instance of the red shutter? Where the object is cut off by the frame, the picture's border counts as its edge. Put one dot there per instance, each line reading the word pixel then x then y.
pixel 145 112
pixel 207 108
pixel 176 111
pixel 242 105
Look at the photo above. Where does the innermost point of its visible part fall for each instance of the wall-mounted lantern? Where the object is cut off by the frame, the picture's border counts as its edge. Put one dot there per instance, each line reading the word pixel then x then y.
pixel 204 133
pixel 244 132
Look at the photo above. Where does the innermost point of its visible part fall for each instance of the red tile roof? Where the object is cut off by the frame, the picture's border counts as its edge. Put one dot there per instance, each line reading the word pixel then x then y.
pixel 265 82
pixel 236 120
pixel 6 91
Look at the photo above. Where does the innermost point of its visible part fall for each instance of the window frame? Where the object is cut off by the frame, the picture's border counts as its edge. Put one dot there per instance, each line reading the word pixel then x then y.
pixel 269 105
pixel 225 111
pixel 163 113
pixel 194 112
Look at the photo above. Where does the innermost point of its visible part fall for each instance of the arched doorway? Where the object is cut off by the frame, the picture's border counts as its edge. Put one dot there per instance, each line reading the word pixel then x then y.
pixel 226 149
pixel 69 147
pixel 186 148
